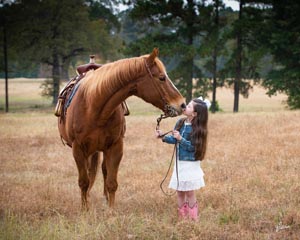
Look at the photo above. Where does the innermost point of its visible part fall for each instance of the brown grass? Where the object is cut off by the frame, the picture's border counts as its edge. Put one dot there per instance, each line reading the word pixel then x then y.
pixel 251 170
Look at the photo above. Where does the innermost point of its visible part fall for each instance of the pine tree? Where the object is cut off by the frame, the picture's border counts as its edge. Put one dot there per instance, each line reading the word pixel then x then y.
pixel 175 26
pixel 55 32
pixel 283 43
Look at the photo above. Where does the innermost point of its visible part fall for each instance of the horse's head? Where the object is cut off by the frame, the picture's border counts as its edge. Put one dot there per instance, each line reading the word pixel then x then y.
pixel 155 87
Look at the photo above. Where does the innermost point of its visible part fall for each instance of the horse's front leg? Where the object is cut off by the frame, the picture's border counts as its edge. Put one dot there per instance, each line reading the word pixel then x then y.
pixel 112 160
pixel 83 178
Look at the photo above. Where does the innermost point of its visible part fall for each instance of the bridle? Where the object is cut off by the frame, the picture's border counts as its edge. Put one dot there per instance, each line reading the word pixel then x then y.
pixel 168 110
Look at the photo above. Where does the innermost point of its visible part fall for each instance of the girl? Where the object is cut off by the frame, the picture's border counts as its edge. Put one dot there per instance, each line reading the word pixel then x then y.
pixel 190 135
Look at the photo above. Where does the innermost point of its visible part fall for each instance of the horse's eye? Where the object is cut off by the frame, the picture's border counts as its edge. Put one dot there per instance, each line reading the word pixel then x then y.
pixel 162 78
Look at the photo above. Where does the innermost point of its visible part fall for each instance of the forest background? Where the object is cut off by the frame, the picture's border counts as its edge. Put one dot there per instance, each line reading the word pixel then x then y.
pixel 252 162
pixel 204 44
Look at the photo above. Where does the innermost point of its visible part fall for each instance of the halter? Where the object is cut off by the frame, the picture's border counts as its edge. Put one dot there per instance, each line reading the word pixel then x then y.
pixel 167 108
pixel 148 69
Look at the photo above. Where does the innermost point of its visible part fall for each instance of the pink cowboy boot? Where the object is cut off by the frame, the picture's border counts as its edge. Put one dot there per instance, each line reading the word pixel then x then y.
pixel 193 212
pixel 183 211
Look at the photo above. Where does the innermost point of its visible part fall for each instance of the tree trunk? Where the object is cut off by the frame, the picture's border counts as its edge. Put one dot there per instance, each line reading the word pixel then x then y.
pixel 189 90
pixel 56 78
pixel 5 65
pixel 65 70
pixel 190 59
pixel 214 90
pixel 215 55
pixel 238 73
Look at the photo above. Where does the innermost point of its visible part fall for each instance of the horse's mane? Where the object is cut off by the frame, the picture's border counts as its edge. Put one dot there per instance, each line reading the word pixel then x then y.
pixel 114 75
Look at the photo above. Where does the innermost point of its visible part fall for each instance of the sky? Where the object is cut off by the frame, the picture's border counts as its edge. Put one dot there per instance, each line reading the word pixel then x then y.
pixel 231 3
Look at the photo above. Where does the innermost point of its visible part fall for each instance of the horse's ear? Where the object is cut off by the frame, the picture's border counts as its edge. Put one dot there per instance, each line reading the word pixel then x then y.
pixel 152 56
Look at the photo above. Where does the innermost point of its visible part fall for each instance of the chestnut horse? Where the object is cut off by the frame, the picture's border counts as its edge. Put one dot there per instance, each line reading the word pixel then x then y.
pixel 95 119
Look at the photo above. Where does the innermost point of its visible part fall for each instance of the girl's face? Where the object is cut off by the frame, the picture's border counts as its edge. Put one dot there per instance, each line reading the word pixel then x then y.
pixel 189 110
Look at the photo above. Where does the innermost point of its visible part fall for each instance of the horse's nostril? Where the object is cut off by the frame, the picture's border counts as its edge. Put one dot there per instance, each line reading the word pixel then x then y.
pixel 183 106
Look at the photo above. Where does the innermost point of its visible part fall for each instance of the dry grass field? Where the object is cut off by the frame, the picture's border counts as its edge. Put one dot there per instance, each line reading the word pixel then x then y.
pixel 251 170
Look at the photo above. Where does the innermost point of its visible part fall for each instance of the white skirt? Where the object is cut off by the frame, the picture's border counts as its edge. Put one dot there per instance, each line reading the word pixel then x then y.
pixel 190 176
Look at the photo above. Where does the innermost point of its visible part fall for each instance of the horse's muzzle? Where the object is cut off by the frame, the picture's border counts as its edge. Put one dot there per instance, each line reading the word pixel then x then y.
pixel 170 111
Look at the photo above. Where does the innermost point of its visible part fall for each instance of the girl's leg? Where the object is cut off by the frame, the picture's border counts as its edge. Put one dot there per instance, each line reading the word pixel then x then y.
pixel 182 205
pixel 180 198
pixel 192 205
pixel 191 198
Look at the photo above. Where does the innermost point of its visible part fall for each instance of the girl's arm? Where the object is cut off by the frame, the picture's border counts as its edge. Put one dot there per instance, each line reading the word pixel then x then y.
pixel 187 145
pixel 183 143
pixel 169 139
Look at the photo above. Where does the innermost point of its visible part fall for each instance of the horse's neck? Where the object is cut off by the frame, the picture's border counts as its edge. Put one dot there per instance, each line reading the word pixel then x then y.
pixel 106 100
pixel 110 106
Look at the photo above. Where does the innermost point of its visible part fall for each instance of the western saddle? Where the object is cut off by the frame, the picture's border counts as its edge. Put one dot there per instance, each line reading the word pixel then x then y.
pixel 69 90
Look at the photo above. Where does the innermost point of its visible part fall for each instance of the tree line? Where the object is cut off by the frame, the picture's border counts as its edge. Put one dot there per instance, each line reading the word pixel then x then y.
pixel 205 45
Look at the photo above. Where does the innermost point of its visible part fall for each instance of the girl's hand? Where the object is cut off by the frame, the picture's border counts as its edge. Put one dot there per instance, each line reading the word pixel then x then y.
pixel 177 135
pixel 158 133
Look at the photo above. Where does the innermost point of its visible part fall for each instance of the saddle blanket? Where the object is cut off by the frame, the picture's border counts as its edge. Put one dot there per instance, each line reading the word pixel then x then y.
pixel 74 90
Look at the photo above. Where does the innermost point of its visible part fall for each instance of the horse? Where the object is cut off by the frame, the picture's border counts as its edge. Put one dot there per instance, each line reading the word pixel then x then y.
pixel 95 121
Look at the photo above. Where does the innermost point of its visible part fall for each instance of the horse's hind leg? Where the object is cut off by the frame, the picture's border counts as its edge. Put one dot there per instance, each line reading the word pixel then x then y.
pixel 92 169
pixel 112 160
pixel 104 172
pixel 83 178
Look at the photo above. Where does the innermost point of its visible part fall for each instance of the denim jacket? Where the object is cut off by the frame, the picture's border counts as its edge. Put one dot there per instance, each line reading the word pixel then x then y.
pixel 185 149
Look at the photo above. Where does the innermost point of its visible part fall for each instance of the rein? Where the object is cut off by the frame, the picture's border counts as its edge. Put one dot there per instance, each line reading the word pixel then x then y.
pixel 162 182
pixel 163 116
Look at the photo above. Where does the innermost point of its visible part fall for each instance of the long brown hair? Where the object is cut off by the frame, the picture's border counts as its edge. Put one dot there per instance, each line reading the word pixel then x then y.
pixel 199 125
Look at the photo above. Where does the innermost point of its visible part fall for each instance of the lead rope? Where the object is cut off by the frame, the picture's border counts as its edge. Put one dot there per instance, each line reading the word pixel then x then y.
pixel 176 165
pixel 162 116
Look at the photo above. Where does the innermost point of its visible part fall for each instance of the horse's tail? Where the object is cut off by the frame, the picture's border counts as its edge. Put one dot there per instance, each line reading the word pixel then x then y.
pixel 93 164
